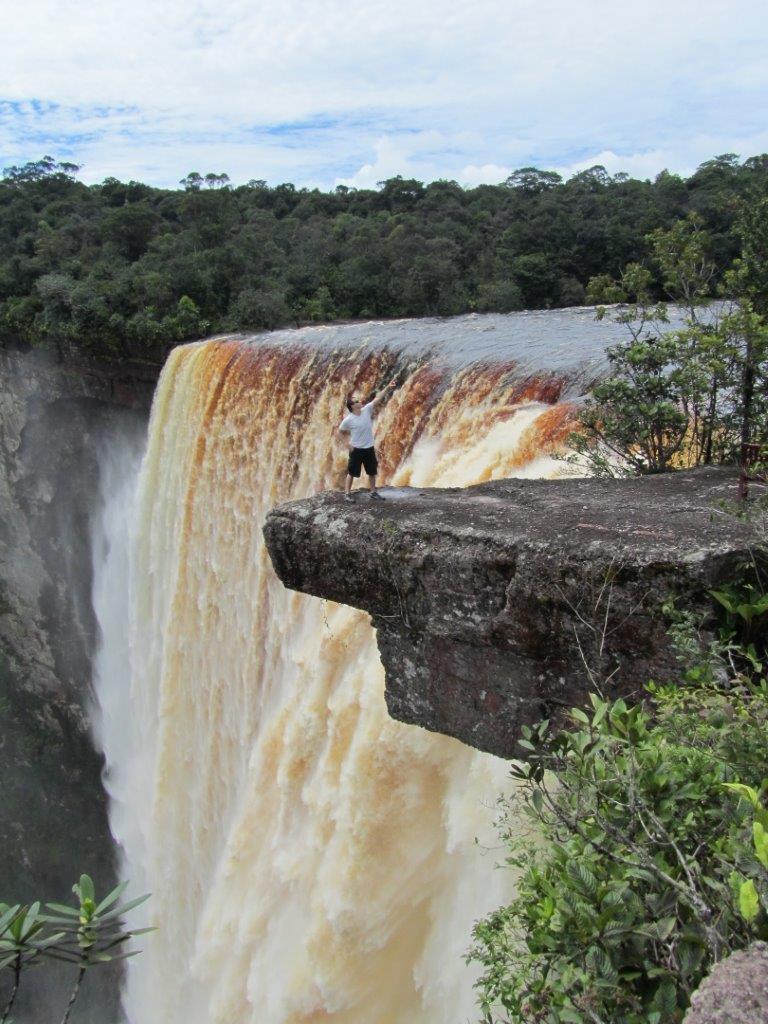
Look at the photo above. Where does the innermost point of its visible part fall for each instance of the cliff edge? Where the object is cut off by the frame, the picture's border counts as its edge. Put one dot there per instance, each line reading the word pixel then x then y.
pixel 493 604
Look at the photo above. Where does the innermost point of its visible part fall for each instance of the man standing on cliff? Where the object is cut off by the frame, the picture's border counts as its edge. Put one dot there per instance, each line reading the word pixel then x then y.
pixel 358 425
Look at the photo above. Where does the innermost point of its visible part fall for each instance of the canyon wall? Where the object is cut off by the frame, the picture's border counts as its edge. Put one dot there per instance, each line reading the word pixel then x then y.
pixel 54 420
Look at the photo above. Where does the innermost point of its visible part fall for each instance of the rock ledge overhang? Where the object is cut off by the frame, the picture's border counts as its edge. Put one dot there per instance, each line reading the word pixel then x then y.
pixel 489 600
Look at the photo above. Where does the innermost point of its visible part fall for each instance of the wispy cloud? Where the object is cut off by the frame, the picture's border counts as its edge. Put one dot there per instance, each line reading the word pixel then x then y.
pixel 334 90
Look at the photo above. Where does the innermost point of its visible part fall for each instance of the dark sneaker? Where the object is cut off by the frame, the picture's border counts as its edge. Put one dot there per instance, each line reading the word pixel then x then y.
pixel 375 494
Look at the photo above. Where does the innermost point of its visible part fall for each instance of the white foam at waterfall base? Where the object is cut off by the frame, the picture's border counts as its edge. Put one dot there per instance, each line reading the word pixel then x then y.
pixel 310 859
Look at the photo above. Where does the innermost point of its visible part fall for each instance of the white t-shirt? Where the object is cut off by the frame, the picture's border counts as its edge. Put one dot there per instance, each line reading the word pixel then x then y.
pixel 360 427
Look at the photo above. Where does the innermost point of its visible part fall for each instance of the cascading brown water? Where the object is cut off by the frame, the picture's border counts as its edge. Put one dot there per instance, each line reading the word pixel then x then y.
pixel 310 859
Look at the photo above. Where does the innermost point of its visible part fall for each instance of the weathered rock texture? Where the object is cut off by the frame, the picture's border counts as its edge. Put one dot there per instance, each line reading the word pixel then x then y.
pixel 53 821
pixel 489 601
pixel 736 992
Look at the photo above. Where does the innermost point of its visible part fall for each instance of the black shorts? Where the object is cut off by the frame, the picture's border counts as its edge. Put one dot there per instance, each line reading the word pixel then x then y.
pixel 362 457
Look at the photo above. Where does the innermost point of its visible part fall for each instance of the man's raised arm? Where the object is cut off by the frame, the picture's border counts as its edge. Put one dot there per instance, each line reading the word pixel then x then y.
pixel 383 393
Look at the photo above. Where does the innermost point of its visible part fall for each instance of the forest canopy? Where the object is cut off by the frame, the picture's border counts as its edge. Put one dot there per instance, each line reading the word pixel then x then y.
pixel 127 269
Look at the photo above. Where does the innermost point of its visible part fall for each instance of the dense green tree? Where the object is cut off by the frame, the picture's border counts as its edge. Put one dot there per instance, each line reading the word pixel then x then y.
pixel 105 267
pixel 499 297
pixel 532 180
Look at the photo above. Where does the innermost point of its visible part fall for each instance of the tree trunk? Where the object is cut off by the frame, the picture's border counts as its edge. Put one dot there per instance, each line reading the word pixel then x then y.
pixel 747 397
pixel 710 427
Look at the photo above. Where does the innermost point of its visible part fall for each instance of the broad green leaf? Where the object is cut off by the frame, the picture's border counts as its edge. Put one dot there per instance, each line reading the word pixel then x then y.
pixel 85 890
pixel 62 908
pixel 119 911
pixel 108 900
pixel 600 714
pixel 63 956
pixel 117 956
pixel 583 876
pixel 601 965
pixel 665 999
pixel 746 792
pixel 724 600
pixel 29 918
pixel 760 837
pixel 8 916
pixel 749 904
pixel 689 955
pixel 665 926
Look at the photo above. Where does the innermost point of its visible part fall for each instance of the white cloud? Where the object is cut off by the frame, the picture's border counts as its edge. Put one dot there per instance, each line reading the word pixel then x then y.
pixel 413 155
pixel 640 165
pixel 321 90
pixel 391 158
pixel 488 174
pixel 648 163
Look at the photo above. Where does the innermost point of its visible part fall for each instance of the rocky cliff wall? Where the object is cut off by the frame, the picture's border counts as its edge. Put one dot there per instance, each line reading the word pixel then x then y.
pixel 53 420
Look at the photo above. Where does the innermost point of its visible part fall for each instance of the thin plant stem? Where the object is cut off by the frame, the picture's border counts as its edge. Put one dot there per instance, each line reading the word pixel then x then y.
pixel 14 990
pixel 74 994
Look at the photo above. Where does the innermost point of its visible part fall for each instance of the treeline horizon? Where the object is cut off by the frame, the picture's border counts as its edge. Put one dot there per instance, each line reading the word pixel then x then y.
pixel 127 269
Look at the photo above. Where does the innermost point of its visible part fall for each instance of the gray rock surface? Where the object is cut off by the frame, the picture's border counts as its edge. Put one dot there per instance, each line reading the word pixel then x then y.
pixel 736 992
pixel 489 601
pixel 53 821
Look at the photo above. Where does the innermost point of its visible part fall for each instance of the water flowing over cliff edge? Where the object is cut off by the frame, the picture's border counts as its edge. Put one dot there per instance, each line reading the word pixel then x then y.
pixel 310 859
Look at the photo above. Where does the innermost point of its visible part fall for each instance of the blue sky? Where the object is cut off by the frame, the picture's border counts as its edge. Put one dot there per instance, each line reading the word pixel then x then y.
pixel 335 91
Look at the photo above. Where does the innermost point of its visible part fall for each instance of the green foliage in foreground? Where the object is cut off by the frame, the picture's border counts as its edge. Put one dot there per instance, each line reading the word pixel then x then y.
pixel 86 935
pixel 127 269
pixel 640 835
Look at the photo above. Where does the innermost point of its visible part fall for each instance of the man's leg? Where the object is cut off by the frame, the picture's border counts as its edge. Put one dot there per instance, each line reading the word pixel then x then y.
pixel 371 464
pixel 353 470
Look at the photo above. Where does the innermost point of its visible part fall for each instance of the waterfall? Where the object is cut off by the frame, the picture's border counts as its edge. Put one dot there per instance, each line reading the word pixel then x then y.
pixel 309 858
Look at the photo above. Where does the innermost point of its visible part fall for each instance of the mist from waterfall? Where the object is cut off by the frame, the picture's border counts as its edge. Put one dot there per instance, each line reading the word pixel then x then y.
pixel 119 462
pixel 310 859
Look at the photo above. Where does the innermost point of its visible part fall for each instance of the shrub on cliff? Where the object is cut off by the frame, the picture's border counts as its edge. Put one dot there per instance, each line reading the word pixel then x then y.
pixel 642 872
pixel 693 395
pixel 640 835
